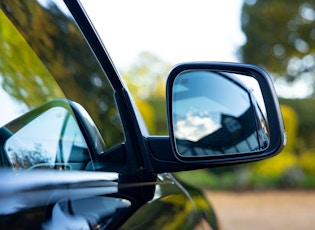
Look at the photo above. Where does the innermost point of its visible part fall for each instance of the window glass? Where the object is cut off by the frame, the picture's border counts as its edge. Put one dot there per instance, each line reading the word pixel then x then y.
pixel 25 81
pixel 50 140
pixel 44 56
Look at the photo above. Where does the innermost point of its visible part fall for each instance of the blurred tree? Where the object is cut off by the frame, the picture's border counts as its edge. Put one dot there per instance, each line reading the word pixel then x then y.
pixel 304 110
pixel 291 124
pixel 280 37
pixel 146 80
pixel 148 114
pixel 146 77
pixel 25 158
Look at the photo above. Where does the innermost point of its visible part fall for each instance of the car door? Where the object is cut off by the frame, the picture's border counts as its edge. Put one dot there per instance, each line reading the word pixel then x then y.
pixel 47 146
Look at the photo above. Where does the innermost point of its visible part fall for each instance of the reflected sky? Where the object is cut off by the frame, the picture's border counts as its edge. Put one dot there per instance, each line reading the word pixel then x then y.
pixel 195 127
pixel 200 98
pixel 39 131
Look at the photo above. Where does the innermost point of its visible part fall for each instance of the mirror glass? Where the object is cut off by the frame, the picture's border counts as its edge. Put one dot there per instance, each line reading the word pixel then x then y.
pixel 218 113
pixel 51 140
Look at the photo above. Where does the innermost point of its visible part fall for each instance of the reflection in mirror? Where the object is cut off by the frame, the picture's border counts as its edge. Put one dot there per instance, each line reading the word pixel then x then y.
pixel 216 113
pixel 50 140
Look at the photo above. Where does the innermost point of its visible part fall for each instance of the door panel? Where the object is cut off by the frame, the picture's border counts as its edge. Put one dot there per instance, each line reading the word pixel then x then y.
pixel 172 208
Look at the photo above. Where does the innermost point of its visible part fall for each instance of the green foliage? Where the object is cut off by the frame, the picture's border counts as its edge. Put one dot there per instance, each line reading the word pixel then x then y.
pixel 307 161
pixel 280 36
pixel 147 112
pixel 290 120
pixel 274 173
pixel 146 77
pixel 159 107
pixel 277 165
pixel 304 112
pixel 146 81
pixel 200 178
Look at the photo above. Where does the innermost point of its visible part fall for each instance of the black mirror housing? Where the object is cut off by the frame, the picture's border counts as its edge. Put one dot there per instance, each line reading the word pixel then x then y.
pixel 218 114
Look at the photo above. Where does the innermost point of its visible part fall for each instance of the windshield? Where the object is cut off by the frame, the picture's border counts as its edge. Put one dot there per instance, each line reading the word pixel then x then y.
pixel 43 57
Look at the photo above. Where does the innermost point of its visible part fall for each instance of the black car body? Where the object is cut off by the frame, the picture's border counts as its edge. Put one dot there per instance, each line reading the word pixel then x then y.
pixel 62 171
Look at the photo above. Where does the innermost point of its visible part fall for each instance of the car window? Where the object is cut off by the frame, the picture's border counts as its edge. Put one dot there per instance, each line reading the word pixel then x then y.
pixel 43 57
pixel 50 140
pixel 25 81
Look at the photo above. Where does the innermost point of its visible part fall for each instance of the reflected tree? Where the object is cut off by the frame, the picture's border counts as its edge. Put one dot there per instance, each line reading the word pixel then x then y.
pixel 25 159
pixel 57 42
pixel 17 79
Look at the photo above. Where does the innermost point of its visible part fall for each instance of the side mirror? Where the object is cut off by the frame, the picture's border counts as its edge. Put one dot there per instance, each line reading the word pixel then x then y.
pixel 58 135
pixel 219 114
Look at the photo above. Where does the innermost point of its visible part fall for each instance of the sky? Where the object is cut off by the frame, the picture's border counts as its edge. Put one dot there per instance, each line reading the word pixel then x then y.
pixel 174 30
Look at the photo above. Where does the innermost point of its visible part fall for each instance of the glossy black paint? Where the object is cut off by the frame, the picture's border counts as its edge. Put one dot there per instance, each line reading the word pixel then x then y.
pixel 31 201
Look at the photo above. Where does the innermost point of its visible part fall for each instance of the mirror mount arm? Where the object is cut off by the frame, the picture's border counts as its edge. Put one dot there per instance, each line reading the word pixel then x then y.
pixel 163 160
pixel 113 159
